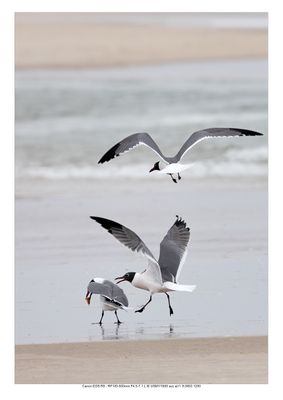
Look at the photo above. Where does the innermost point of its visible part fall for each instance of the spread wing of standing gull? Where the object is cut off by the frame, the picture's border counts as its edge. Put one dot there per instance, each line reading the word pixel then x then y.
pixel 173 164
pixel 160 276
pixel 112 297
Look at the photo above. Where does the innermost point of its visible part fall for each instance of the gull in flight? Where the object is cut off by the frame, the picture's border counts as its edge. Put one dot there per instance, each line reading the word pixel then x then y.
pixel 160 276
pixel 112 297
pixel 172 164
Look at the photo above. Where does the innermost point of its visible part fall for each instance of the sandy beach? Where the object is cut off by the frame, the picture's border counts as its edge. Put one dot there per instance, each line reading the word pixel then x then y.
pixel 52 40
pixel 213 360
pixel 84 81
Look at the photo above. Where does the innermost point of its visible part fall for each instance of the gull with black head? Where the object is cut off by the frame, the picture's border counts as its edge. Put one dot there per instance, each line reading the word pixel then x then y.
pixel 160 276
pixel 112 297
pixel 172 164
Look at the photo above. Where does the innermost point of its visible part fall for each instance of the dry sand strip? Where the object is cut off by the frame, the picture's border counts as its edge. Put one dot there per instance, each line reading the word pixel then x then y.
pixel 205 360
pixel 43 41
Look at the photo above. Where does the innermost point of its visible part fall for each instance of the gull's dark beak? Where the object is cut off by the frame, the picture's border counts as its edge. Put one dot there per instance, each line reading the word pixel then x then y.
pixel 121 279
pixel 152 169
pixel 88 297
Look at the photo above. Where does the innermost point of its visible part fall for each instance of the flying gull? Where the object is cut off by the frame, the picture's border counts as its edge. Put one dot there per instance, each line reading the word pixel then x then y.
pixel 173 164
pixel 112 297
pixel 160 276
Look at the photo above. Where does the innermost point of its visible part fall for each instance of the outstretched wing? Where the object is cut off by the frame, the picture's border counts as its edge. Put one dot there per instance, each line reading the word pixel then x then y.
pixel 131 240
pixel 129 143
pixel 173 250
pixel 210 133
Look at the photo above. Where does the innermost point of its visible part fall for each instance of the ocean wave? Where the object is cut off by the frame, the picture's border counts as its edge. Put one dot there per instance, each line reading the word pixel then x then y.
pixel 233 163
pixel 68 126
pixel 256 155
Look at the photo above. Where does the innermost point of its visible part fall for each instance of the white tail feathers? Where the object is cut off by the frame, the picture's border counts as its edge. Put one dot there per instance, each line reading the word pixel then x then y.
pixel 180 288
pixel 127 308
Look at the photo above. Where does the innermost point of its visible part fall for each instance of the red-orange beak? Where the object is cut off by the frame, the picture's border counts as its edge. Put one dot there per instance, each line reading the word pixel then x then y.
pixel 88 297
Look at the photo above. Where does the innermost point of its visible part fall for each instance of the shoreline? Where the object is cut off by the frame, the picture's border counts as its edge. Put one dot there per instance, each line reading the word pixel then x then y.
pixel 154 63
pixel 49 43
pixel 201 360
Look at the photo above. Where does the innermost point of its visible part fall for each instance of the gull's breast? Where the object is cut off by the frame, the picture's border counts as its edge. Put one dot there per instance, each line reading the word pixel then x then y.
pixel 174 168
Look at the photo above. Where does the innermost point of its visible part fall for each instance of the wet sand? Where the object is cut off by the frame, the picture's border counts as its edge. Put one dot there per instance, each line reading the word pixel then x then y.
pixel 58 245
pixel 207 360
pixel 50 40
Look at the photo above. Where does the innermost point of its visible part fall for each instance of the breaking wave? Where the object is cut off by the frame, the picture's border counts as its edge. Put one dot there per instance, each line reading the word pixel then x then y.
pixel 251 162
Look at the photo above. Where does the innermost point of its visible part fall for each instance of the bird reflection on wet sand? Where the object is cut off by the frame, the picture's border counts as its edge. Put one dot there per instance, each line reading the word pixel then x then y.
pixel 110 334
pixel 139 331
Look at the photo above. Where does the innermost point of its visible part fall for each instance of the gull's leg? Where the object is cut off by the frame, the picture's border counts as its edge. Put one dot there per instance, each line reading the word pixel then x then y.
pixel 102 315
pixel 173 179
pixel 170 308
pixel 143 307
pixel 118 321
pixel 179 177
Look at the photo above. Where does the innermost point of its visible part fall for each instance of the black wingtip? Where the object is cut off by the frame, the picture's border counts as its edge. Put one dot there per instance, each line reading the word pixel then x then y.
pixel 106 223
pixel 179 220
pixel 102 160
pixel 247 132
pixel 98 219
pixel 181 223
pixel 109 154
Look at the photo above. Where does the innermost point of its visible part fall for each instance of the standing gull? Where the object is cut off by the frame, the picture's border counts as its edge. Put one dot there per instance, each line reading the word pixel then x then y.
pixel 112 297
pixel 160 276
pixel 173 165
